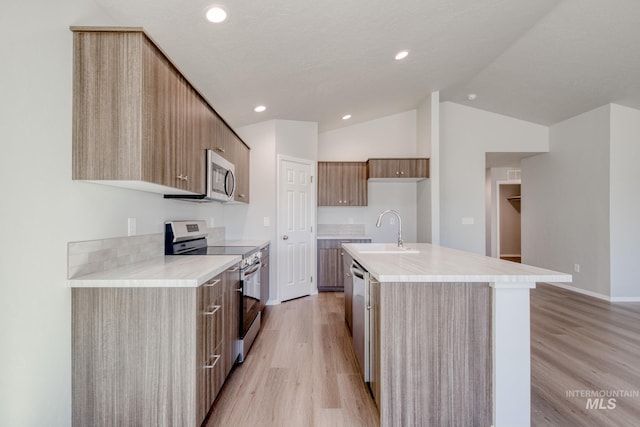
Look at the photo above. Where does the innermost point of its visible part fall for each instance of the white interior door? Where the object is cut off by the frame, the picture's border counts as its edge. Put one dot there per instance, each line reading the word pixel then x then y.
pixel 295 228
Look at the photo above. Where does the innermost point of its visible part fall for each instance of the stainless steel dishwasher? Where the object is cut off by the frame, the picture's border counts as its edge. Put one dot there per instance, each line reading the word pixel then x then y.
pixel 361 318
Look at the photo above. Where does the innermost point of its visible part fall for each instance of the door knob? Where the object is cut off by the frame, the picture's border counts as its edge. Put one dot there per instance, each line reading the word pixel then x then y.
pixel 285 237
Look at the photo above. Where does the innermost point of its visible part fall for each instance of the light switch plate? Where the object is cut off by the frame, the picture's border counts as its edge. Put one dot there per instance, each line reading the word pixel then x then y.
pixel 266 221
pixel 131 226
pixel 468 221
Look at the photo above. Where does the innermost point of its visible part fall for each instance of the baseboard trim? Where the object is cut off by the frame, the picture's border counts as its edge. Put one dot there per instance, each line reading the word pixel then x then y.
pixel 595 294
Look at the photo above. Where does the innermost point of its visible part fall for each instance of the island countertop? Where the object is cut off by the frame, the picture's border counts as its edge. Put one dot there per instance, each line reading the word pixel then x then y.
pixel 440 264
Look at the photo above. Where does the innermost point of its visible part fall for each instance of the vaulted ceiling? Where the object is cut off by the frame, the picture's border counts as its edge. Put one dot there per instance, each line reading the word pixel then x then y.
pixel 318 60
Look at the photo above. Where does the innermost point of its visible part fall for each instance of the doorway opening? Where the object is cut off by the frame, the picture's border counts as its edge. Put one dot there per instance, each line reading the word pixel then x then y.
pixel 508 229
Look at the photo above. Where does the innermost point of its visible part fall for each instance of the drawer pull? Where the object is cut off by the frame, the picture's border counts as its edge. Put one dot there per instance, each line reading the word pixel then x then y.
pixel 215 308
pixel 215 357
pixel 212 282
pixel 234 269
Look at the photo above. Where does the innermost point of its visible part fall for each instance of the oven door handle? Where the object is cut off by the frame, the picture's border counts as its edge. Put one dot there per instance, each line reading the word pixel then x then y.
pixel 249 273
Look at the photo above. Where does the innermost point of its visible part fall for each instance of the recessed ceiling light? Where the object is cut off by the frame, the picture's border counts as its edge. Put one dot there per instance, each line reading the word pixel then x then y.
pixel 216 14
pixel 259 108
pixel 346 117
pixel 402 54
pixel 472 97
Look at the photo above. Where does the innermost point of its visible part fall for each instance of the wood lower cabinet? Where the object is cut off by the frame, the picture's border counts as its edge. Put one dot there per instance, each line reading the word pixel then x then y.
pixel 232 300
pixel 331 265
pixel 151 356
pixel 430 353
pixel 210 343
pixel 399 168
pixel 342 184
pixel 347 284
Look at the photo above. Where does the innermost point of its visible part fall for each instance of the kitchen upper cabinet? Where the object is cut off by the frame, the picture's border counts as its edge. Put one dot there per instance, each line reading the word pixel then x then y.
pixel 342 184
pixel 399 168
pixel 137 121
pixel 242 164
pixel 135 118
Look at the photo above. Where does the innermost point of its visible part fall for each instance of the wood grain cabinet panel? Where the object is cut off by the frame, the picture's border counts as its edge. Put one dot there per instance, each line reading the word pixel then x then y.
pixel 443 373
pixel 232 301
pixel 137 121
pixel 342 184
pixel 399 168
pixel 331 265
pixel 148 356
pixel 242 164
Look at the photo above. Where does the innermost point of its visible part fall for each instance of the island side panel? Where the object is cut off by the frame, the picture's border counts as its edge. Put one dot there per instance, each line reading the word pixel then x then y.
pixel 133 356
pixel 436 354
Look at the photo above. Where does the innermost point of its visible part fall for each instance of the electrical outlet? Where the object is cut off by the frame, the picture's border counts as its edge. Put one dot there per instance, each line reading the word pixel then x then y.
pixel 131 227
pixel 468 221
pixel 212 222
pixel 266 221
pixel 576 268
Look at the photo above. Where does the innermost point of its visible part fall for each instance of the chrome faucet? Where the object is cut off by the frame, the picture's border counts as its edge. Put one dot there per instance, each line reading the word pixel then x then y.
pixel 400 243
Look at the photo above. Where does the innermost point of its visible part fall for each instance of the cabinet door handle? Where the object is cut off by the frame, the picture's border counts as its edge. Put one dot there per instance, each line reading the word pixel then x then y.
pixel 239 290
pixel 285 237
pixel 180 177
pixel 215 357
pixel 369 307
pixel 215 308
pixel 212 282
pixel 242 196
pixel 220 149
pixel 186 177
pixel 402 173
pixel 234 269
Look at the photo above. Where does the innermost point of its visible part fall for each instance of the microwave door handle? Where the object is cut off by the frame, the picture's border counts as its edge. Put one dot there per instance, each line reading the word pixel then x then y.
pixel 229 176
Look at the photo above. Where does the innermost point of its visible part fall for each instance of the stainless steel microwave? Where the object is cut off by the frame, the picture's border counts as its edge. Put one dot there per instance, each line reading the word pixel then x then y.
pixel 221 178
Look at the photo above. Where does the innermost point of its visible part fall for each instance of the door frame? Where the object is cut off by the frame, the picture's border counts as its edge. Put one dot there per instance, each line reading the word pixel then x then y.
pixel 312 220
pixel 496 232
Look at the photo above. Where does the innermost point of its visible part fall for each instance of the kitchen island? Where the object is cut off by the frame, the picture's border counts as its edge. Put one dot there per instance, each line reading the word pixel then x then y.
pixel 449 335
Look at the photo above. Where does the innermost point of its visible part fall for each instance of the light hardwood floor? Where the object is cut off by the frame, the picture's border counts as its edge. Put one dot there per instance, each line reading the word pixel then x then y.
pixel 302 370
pixel 582 343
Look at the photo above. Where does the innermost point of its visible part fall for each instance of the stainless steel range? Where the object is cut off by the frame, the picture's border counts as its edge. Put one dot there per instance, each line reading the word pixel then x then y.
pixel 189 238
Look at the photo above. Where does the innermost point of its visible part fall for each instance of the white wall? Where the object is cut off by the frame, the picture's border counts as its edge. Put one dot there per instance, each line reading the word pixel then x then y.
pixel 267 140
pixel 466 135
pixel 565 202
pixel 625 202
pixel 390 136
pixel 424 203
pixel 42 209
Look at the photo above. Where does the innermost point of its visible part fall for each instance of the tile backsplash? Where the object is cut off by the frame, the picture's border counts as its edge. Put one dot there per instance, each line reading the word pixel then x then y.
pixel 341 229
pixel 93 256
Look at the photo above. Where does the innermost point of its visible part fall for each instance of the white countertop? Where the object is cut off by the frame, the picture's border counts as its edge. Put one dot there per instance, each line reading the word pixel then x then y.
pixel 164 271
pixel 259 243
pixel 440 264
